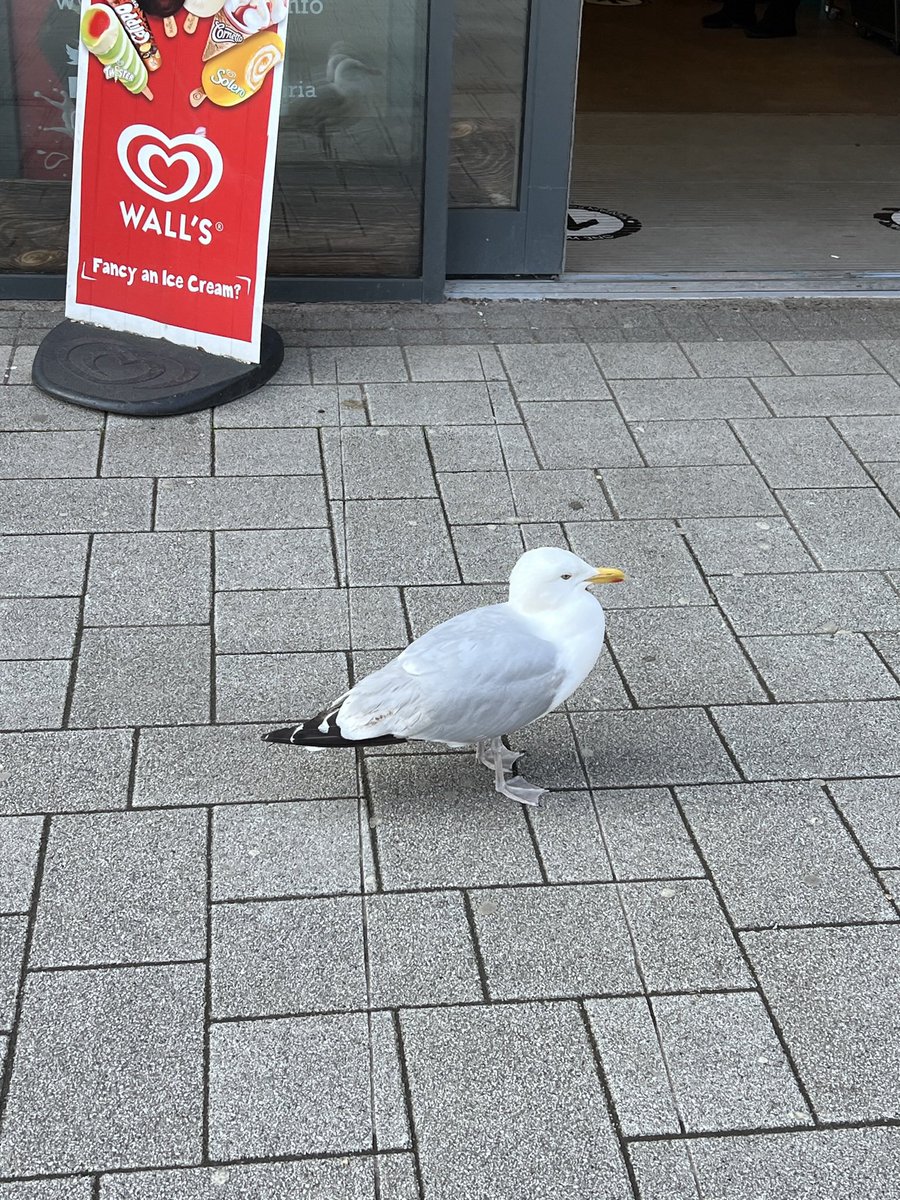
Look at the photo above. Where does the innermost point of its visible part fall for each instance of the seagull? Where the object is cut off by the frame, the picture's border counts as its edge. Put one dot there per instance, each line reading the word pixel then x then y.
pixel 481 675
pixel 338 104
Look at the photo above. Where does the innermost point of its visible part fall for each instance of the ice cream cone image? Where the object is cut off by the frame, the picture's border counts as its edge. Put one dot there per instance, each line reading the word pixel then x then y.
pixel 240 19
pixel 238 73
pixel 105 37
pixel 196 9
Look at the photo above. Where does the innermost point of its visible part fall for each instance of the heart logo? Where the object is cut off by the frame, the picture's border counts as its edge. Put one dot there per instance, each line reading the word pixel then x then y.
pixel 156 163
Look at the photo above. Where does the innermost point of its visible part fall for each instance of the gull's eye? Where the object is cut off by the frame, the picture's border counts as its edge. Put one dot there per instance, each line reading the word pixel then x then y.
pixel 565 576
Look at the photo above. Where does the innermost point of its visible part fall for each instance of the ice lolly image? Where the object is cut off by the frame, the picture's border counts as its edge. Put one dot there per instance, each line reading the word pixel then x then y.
pixel 196 9
pixel 132 17
pixel 166 9
pixel 104 35
pixel 240 19
pixel 238 73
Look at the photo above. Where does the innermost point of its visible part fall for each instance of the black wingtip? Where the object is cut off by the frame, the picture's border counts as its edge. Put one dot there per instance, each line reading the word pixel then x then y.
pixel 279 735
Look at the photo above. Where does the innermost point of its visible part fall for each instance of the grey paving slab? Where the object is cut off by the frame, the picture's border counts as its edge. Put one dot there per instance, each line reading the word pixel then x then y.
pixel 550 371
pixel 448 363
pixel 420 950
pixel 283 502
pixel 37 628
pixel 821 667
pixel 886 351
pixel 810 741
pixel 809 603
pixel 454 448
pixel 33 694
pixel 683 941
pixel 148 579
pixel 887 476
pixel 721 359
pixel 841 1024
pixel 558 496
pixel 551 757
pixel 659 569
pixel 74 505
pixel 430 404
pixel 602 689
pixel 12 954
pixel 358 364
pixel 681 656
pixel 888 646
pixel 64 770
pixel 306 619
pixel 265 850
pixel 377 555
pixel 485 552
pixel 831 396
pixel 828 358
pixel 642 360
pixel 645 835
pixel 42 566
pixel 377 619
pixel 24 407
pixel 142 676
pixel 780 855
pixel 480 1079
pixel 569 840
pixel 267 452
pixel 582 434
pixel 554 941
pixel 281 406
pixel 440 825
pixel 389 1112
pixel 222 765
pixel 108 1071
pixel 687 399
pixel 277 687
pixel 281 957
pixel 872 806
pixel 518 448
pixel 656 746
pixel 306 1179
pixel 80 1188
pixel 477 497
pixel 274 558
pixel 383 463
pixel 874 439
pixel 293 1086
pixel 633 1064
pixel 800 452
pixel 838 1163
pixel 853 529
pixel 48 455
pixel 20 839
pixel 746 545
pixel 122 888
pixel 687 443
pixel 161 446
pixel 689 492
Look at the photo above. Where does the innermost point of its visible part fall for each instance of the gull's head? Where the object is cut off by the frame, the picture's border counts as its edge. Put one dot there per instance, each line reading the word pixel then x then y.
pixel 549 578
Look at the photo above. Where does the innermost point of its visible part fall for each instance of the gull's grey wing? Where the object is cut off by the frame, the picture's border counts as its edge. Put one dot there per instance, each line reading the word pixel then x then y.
pixel 476 676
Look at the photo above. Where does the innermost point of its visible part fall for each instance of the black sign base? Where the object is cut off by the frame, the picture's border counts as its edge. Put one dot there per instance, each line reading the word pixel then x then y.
pixel 144 377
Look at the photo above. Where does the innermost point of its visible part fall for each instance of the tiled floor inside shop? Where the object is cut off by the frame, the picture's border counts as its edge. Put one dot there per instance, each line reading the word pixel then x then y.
pixel 233 970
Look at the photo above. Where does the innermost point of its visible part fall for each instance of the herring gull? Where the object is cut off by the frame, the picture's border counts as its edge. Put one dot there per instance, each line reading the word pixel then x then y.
pixel 481 675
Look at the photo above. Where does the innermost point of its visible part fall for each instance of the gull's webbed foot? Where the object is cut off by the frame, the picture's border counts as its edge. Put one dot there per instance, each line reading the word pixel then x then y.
pixel 517 788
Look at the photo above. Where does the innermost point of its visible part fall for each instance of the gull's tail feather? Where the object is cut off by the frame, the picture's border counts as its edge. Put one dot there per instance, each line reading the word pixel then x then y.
pixel 321 732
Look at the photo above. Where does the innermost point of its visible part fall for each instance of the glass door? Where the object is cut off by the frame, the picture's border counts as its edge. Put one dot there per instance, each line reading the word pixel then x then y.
pixel 512 111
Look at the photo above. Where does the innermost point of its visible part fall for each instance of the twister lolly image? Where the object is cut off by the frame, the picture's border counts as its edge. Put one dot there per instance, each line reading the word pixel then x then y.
pixel 238 73
pixel 166 9
pixel 239 19
pixel 104 35
pixel 132 17
pixel 196 9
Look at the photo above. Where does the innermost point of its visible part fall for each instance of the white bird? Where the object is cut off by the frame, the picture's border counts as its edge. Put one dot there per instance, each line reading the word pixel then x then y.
pixel 339 103
pixel 481 675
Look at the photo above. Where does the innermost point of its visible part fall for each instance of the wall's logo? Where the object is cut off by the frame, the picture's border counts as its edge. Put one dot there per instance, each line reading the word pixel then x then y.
pixel 170 169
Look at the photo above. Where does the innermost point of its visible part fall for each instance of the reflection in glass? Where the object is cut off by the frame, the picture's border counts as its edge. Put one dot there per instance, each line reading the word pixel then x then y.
pixel 490 57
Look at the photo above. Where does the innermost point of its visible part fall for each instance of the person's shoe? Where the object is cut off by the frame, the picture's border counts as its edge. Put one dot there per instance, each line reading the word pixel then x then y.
pixel 767 31
pixel 726 18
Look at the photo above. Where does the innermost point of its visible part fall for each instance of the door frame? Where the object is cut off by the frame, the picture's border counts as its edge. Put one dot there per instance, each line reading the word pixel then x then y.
pixel 530 238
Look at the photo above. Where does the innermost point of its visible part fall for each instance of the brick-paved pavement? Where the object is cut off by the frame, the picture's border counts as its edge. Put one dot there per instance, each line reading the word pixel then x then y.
pixel 232 970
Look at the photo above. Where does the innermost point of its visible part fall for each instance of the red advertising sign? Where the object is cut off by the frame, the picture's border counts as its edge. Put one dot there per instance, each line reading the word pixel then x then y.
pixel 177 119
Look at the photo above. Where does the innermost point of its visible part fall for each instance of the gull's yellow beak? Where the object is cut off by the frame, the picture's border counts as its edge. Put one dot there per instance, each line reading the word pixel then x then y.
pixel 607 575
